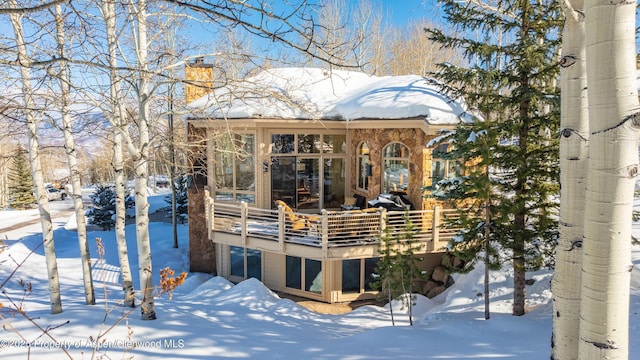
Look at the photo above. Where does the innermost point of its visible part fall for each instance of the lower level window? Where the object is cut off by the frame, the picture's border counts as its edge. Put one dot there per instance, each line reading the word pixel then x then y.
pixel 357 275
pixel 351 276
pixel 313 276
pixel 254 264
pixel 305 274
pixel 294 272
pixel 245 261
pixel 369 271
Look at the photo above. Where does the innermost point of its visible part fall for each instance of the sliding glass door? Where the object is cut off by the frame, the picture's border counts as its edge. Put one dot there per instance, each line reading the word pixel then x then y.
pixel 283 180
pixel 296 181
pixel 308 170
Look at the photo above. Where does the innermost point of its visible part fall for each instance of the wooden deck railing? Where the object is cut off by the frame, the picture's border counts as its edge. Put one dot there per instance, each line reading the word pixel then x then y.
pixel 329 229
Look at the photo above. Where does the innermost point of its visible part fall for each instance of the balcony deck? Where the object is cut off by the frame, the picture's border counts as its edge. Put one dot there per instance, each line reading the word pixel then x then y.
pixel 328 235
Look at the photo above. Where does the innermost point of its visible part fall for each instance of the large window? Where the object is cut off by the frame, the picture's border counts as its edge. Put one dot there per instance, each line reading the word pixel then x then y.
pixel 441 166
pixel 395 165
pixel 364 168
pixel 307 170
pixel 303 274
pixel 235 174
pixel 245 263
pixel 370 265
pixel 351 276
pixel 313 276
pixel 357 275
pixel 294 272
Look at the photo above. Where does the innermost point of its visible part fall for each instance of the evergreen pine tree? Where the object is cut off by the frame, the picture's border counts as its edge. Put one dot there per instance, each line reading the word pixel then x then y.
pixel 104 207
pixel 384 272
pixel 512 84
pixel 21 187
pixel 398 268
pixel 182 200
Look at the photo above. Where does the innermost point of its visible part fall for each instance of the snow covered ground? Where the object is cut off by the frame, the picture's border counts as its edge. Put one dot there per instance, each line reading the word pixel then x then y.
pixel 209 317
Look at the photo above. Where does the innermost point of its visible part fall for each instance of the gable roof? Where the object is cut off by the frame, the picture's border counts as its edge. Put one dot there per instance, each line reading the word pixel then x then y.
pixel 312 93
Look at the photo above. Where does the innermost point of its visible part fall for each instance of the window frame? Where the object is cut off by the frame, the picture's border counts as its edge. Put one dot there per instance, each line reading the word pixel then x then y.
pixel 245 262
pixel 303 262
pixel 322 151
pixel 364 286
pixel 236 195
pixel 450 167
pixel 363 159
pixel 407 159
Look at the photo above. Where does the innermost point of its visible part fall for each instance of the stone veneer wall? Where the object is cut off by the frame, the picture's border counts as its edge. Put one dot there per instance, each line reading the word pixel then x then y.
pixel 202 251
pixel 419 160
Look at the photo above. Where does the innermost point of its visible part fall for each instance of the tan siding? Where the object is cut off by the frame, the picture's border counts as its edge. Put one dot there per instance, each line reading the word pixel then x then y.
pixel 223 259
pixel 274 270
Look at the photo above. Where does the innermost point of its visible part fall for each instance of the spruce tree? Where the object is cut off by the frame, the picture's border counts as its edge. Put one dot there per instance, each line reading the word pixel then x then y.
pixel 384 272
pixel 182 200
pixel 102 213
pixel 21 182
pixel 398 268
pixel 511 83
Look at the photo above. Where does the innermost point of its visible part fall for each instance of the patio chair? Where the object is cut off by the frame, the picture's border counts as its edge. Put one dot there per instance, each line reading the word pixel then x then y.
pixel 303 191
pixel 296 222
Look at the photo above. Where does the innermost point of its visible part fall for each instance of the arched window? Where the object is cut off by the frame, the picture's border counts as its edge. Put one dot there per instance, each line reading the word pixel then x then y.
pixel 395 168
pixel 364 167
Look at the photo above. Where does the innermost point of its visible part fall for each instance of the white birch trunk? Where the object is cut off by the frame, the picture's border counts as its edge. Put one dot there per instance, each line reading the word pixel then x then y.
pixel 4 174
pixel 36 166
pixel 70 149
pixel 121 239
pixel 613 166
pixel 141 165
pixel 573 181
pixel 109 15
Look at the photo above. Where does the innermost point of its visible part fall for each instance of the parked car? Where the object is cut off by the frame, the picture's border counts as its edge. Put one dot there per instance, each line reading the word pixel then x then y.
pixel 55 194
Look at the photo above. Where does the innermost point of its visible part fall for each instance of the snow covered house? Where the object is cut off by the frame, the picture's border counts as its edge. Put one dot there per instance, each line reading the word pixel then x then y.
pixel 300 167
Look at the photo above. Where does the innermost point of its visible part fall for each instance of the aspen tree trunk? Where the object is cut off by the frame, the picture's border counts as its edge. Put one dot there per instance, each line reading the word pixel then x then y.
pixel 141 163
pixel 70 149
pixel 4 176
pixel 121 209
pixel 172 171
pixel 36 166
pixel 613 167
pixel 574 125
pixel 109 15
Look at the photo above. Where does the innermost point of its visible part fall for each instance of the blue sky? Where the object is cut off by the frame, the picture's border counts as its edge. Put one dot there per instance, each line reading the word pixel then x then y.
pixel 404 10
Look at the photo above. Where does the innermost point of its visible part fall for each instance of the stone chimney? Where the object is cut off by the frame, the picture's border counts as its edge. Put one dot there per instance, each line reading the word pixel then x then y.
pixel 199 77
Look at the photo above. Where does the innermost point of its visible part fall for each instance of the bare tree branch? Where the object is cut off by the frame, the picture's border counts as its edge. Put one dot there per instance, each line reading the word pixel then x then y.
pixel 26 10
pixel 268 25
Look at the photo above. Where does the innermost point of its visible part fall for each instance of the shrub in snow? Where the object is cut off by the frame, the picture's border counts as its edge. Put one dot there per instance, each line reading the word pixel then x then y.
pixel 103 209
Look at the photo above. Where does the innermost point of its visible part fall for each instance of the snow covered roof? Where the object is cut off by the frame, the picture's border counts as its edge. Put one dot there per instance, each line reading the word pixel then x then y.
pixel 312 93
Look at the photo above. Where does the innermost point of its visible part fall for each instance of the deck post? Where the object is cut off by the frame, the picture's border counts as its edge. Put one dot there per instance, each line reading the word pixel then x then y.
pixel 325 233
pixel 244 212
pixel 436 225
pixel 281 228
pixel 210 218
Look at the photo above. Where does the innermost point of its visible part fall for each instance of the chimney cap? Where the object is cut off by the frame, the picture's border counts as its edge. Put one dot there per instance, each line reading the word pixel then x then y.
pixel 199 63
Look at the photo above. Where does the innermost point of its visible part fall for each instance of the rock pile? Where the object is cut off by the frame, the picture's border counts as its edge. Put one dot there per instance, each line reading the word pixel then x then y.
pixel 440 278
